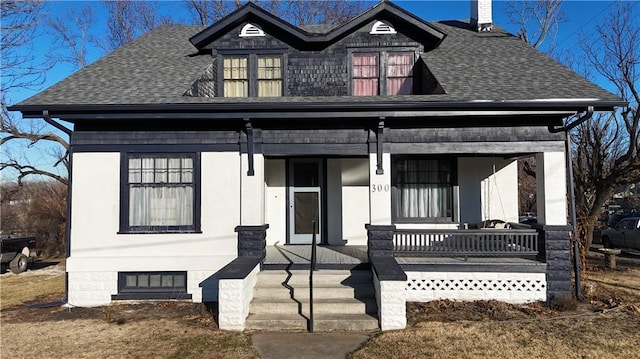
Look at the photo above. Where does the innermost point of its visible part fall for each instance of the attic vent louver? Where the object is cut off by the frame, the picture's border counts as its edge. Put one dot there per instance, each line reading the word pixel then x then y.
pixel 382 27
pixel 251 30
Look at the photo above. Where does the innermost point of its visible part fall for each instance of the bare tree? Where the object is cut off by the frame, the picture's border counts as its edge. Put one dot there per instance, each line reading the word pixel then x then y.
pixel 318 11
pixel 536 20
pixel 20 68
pixel 129 19
pixel 607 147
pixel 327 12
pixel 206 12
pixel 36 208
pixel 72 33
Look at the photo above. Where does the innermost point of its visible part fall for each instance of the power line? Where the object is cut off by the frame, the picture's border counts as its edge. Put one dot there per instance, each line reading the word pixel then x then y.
pixel 586 23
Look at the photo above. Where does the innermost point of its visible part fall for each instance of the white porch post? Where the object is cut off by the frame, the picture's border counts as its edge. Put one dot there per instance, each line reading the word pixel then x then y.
pixel 380 190
pixel 551 188
pixel 252 189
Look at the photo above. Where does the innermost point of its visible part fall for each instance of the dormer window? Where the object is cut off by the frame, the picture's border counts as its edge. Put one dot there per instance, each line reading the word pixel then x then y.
pixel 381 28
pixel 251 30
pixel 387 73
pixel 252 75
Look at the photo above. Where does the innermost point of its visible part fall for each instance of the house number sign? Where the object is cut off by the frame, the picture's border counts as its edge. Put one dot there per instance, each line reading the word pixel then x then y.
pixel 379 188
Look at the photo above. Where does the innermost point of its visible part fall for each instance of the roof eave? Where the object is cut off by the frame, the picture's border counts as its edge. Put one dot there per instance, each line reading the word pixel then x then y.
pixel 317 109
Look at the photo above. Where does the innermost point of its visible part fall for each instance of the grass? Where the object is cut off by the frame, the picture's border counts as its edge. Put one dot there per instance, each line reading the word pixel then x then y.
pixel 28 287
pixel 606 326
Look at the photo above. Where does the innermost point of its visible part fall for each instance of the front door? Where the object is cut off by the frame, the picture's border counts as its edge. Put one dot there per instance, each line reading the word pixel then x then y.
pixel 305 199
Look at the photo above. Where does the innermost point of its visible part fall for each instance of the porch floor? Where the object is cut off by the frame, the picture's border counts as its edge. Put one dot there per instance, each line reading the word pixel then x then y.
pixel 292 256
pixel 297 255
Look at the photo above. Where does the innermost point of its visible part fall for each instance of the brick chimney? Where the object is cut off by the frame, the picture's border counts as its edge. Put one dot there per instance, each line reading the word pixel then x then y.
pixel 481 15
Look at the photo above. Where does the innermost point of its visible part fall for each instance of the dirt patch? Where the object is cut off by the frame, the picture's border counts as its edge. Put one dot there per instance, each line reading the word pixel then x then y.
pixel 452 311
pixel 128 330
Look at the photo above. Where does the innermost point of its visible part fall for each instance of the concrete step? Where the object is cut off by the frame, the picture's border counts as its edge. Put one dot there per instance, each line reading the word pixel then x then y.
pixel 271 321
pixel 342 300
pixel 321 322
pixel 319 292
pixel 325 276
pixel 325 306
pixel 353 322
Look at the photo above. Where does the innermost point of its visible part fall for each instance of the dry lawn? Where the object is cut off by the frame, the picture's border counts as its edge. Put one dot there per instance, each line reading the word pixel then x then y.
pixel 606 326
pixel 44 280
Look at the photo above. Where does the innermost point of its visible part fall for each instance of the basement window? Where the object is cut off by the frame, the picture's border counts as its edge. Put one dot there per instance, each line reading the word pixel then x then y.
pixel 381 28
pixel 251 30
pixel 152 285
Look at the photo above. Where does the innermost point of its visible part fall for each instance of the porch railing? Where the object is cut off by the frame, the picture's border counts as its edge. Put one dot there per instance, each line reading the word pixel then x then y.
pixel 465 242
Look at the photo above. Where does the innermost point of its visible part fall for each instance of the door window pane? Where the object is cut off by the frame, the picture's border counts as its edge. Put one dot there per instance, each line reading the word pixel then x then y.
pixel 305 174
pixel 306 211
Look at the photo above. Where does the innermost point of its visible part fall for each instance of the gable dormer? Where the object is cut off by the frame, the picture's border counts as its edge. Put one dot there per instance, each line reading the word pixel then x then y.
pixel 387 17
pixel 256 54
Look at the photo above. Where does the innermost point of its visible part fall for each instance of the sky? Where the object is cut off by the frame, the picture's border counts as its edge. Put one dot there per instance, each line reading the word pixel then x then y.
pixel 581 18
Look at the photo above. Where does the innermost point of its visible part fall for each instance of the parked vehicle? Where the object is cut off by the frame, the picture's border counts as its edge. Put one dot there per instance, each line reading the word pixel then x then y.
pixel 16 251
pixel 617 217
pixel 625 234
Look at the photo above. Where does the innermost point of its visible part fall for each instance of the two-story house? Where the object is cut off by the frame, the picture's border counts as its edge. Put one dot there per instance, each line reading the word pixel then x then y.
pixel 198 151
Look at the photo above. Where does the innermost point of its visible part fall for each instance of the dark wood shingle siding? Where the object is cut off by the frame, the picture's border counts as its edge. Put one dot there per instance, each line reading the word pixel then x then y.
pixel 314 72
pixel 471 134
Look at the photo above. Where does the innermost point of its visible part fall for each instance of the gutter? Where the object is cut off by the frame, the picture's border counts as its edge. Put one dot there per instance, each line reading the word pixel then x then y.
pixel 574 124
pixel 47 118
pixel 319 108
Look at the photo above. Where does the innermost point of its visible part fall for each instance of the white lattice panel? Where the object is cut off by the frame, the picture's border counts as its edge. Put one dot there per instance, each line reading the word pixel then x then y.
pixel 508 287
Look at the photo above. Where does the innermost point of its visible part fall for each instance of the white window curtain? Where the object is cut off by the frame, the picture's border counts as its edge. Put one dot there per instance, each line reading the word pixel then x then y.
pixel 399 73
pixel 161 191
pixel 365 74
pixel 423 190
pixel 236 80
pixel 269 76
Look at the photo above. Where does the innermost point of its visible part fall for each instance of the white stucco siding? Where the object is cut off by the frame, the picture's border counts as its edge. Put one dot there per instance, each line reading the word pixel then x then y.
pixel 380 190
pixel 95 202
pixel 551 187
pixel 355 196
pixel 252 191
pixel 488 189
pixel 99 251
pixel 96 211
pixel 276 201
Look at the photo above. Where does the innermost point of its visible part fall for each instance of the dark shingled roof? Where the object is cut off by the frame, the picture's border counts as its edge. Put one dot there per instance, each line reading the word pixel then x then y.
pixel 160 66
